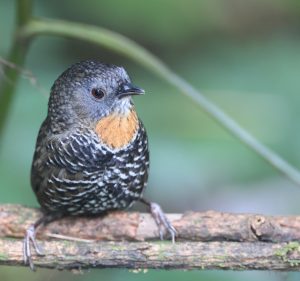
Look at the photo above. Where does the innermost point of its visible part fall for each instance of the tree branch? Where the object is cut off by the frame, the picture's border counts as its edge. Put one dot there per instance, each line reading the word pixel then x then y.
pixel 256 241
pixel 158 255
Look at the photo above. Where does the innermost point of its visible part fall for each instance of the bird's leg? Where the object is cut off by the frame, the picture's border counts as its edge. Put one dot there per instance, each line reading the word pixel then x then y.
pixel 30 238
pixel 160 218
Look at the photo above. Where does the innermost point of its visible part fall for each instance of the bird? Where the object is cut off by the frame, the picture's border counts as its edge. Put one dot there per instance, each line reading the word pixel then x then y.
pixel 91 153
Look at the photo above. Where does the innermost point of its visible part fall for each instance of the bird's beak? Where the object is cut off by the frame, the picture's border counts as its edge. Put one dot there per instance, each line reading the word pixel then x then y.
pixel 127 89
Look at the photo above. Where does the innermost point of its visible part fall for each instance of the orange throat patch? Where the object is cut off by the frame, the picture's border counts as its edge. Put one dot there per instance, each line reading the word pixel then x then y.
pixel 116 131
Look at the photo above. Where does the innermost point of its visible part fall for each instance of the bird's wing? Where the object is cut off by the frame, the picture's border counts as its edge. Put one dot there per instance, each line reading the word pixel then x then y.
pixel 75 159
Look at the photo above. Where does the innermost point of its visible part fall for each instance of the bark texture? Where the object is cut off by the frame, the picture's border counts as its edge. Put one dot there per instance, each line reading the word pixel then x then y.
pixel 210 240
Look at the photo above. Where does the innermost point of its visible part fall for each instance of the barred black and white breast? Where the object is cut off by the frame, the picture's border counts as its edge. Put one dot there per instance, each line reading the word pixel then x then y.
pixel 76 173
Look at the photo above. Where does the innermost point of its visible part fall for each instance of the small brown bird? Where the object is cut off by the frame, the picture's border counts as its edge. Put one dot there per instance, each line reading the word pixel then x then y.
pixel 91 153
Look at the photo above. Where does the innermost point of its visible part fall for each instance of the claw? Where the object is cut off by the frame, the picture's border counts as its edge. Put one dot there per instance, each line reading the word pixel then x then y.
pixel 162 221
pixel 161 232
pixel 28 239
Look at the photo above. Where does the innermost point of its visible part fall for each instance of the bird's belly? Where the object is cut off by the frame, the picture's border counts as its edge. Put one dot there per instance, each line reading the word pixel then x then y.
pixel 117 188
pixel 114 191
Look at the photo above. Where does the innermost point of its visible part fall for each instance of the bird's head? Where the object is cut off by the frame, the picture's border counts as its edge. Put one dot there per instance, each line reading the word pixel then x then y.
pixel 90 90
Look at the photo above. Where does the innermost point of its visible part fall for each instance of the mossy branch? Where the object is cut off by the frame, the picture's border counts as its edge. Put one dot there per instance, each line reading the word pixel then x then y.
pixel 209 240
pixel 157 255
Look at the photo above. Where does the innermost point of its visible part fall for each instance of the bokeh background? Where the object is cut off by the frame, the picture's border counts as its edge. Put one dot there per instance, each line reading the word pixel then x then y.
pixel 243 55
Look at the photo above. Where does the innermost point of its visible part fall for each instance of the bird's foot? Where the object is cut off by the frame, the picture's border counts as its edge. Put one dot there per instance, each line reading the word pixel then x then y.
pixel 28 240
pixel 162 221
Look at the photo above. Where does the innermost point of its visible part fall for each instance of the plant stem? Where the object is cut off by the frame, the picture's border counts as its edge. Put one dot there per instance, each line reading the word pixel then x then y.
pixel 129 48
pixel 16 56
pixel 24 12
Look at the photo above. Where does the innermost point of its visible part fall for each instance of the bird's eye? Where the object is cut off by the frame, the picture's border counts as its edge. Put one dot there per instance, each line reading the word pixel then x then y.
pixel 98 94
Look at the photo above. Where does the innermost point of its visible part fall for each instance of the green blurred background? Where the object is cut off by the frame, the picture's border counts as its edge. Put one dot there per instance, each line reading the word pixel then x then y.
pixel 243 55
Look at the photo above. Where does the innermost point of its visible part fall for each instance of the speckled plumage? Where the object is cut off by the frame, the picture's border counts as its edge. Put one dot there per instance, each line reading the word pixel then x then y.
pixel 74 173
pixel 91 153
